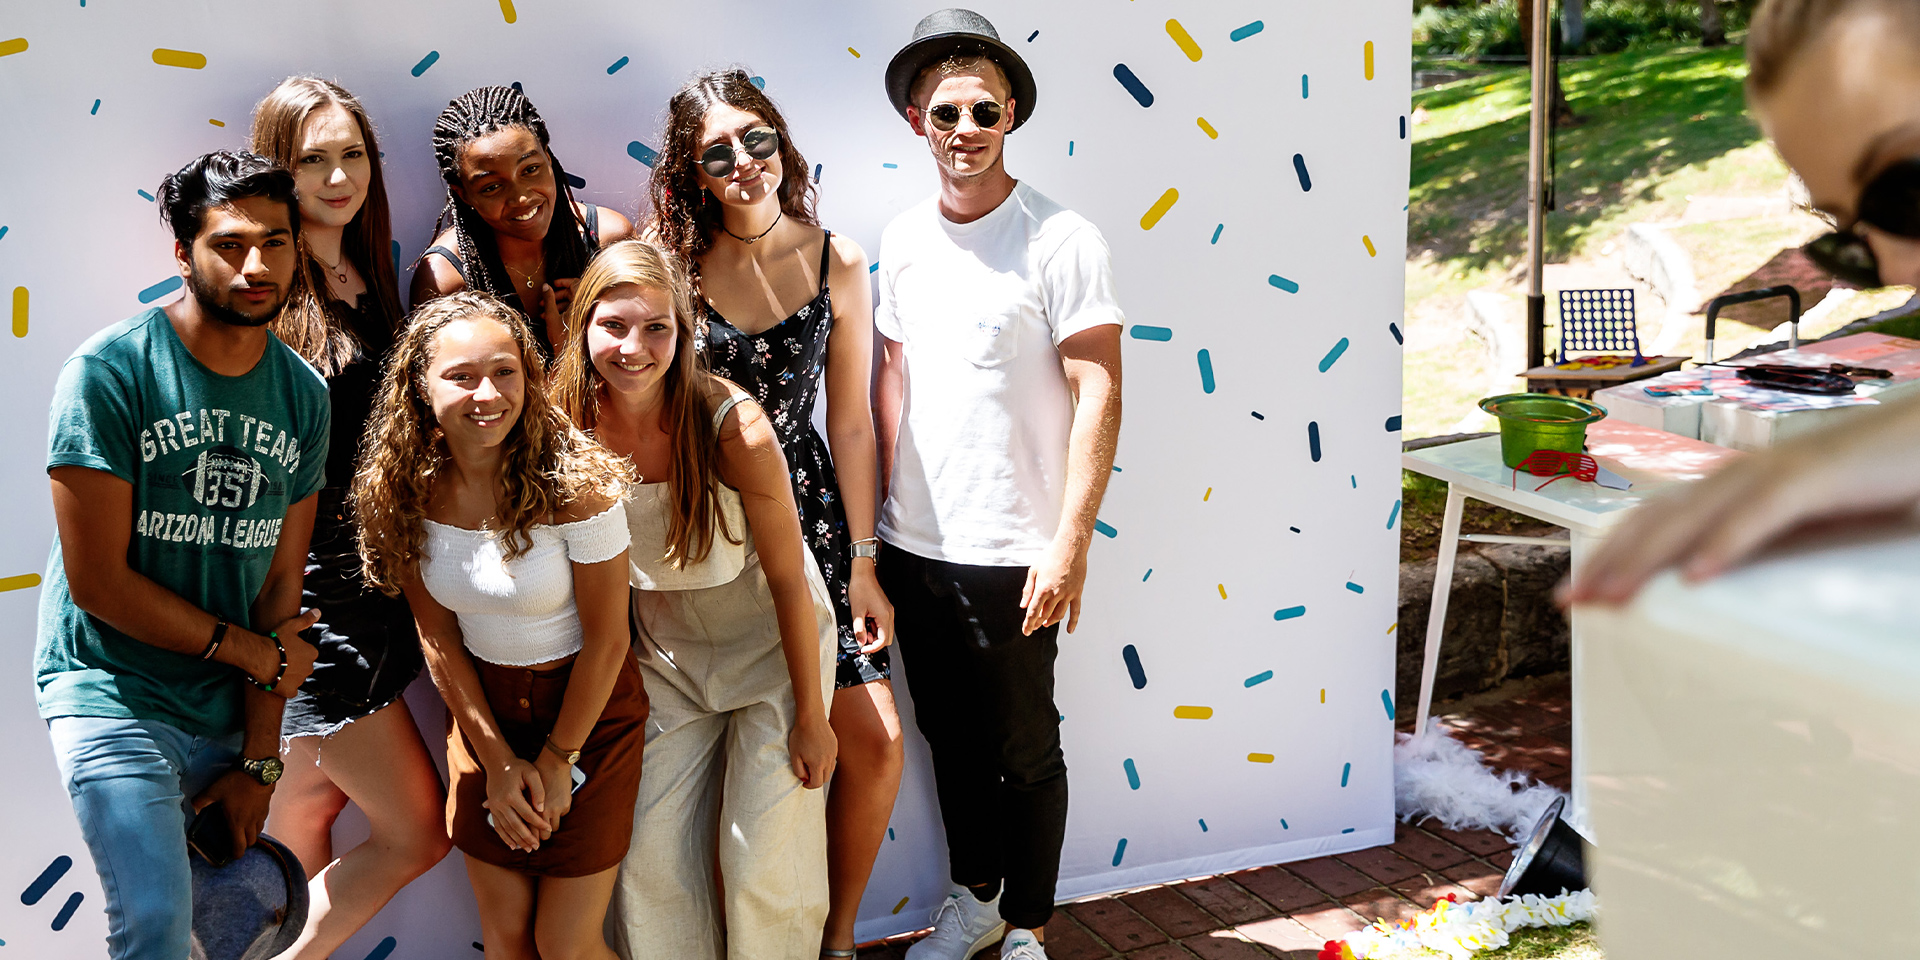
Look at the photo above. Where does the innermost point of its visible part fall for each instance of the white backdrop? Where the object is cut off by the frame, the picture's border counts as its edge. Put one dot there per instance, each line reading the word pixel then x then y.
pixel 1247 569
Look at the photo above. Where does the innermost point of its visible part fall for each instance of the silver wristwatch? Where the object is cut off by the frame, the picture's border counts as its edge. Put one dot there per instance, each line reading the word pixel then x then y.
pixel 869 548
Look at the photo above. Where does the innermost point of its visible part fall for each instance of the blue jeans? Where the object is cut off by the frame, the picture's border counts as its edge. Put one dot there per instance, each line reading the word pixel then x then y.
pixel 132 783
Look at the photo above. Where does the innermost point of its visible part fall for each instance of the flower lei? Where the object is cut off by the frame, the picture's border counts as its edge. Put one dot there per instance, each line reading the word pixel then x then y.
pixel 1460 930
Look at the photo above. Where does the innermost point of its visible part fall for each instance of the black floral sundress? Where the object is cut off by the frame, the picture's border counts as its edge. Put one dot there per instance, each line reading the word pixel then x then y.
pixel 781 367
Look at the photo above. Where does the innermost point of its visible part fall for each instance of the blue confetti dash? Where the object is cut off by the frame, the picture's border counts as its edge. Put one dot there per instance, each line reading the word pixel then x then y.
pixel 382 949
pixel 1347 830
pixel 1030 36
pixel 1203 826
pixel 1393 424
pixel 1216 233
pixel 1140 93
pixel 1356 588
pixel 1257 415
pixel 1141 331
pixel 617 64
pixel 1100 527
pixel 1119 850
pixel 816 171
pixel 1149 574
pixel 643 153
pixel 96 107
pixel 1206 371
pixel 1313 440
pixel 1386 697
pixel 145 195
pixel 1259 678
pixel 873 267
pixel 1393 514
pixel 425 62
pixel 1303 86
pixel 47 878
pixel 1133 775
pixel 1326 362
pixel 891 166
pixel 1346 770
pixel 1300 167
pixel 1131 655
pixel 1394 329
pixel 66 910
pixel 160 289
pixel 1241 33
pixel 578 183
pixel 760 82
pixel 1290 613
pixel 1283 283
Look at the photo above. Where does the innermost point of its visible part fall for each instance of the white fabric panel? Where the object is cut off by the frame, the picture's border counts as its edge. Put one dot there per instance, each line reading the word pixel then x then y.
pixel 1270 483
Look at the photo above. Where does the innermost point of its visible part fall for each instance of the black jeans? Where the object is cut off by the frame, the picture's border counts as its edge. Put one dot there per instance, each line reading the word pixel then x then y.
pixel 983 697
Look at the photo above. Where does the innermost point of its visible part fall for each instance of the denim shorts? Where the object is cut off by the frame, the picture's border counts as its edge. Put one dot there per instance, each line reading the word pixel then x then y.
pixel 368 650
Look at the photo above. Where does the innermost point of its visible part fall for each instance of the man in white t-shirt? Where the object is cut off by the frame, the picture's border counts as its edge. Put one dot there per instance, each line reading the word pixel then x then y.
pixel 999 405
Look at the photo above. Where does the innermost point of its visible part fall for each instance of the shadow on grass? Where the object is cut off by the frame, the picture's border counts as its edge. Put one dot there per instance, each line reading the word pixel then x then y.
pixel 1646 114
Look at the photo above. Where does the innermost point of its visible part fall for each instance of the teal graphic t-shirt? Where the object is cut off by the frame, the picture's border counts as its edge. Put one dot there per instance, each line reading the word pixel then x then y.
pixel 215 462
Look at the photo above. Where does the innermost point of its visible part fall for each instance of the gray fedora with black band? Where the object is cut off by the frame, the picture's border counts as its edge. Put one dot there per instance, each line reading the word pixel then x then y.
pixel 945 33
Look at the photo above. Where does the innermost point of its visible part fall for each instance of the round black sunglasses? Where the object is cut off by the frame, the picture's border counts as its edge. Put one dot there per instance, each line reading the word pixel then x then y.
pixel 1889 203
pixel 759 143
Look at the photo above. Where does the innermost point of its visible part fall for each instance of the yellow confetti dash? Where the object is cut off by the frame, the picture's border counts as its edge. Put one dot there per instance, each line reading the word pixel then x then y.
pixel 215 122
pixel 1159 209
pixel 179 58
pixel 20 322
pixel 901 905
pixel 856 53
pixel 1390 627
pixel 1207 127
pixel 1204 497
pixel 506 10
pixel 1184 39
pixel 20 582
pixel 1259 758
pixel 1323 694
pixel 1193 713
pixel 10 47
pixel 1369 59
pixel 1223 591
pixel 1371 252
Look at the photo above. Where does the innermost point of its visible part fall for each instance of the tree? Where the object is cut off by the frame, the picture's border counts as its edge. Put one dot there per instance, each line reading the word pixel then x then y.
pixel 1712 32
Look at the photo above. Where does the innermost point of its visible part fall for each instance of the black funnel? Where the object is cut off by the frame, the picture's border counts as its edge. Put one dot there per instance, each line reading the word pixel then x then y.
pixel 1550 861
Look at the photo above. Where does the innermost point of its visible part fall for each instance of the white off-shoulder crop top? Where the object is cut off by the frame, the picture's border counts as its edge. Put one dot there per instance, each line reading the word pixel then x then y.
pixel 647 526
pixel 520 613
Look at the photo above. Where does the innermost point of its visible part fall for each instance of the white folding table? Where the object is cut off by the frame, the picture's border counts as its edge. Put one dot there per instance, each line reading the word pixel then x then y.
pixel 1650 459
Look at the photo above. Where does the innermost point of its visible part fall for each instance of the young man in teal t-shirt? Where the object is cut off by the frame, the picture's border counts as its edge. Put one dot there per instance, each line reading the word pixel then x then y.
pixel 186 446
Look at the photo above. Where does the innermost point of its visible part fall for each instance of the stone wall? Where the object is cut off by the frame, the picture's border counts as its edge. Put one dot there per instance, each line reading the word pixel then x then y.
pixel 1501 621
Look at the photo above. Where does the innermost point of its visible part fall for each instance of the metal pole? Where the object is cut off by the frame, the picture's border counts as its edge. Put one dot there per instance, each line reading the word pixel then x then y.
pixel 1536 179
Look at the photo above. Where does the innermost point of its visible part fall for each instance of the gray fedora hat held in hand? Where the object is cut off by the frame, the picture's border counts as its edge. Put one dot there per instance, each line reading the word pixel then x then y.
pixel 944 33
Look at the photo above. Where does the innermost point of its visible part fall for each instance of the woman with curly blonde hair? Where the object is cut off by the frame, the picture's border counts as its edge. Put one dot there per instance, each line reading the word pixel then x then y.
pixel 502 524
pixel 736 631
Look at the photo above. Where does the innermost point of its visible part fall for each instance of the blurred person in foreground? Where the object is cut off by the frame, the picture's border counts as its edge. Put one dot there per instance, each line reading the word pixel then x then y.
pixel 1835 85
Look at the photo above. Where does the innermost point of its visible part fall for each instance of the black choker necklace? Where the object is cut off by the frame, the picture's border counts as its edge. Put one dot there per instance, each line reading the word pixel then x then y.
pixel 757 237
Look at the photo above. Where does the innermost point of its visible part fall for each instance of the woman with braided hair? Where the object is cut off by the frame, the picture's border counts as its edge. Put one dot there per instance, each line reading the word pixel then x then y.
pixel 514 229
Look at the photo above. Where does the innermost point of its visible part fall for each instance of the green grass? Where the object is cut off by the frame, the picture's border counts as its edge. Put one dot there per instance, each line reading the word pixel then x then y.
pixel 1654 122
pixel 1575 942
pixel 1907 326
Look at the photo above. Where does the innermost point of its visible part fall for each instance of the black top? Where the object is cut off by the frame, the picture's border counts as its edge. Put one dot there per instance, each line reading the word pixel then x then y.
pixel 352 390
pixel 590 224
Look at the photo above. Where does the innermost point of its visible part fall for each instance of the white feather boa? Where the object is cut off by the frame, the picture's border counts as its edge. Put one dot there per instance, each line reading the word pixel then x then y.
pixel 1438 777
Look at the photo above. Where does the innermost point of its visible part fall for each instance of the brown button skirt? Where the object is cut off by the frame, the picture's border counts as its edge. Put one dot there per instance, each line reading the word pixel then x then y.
pixel 595 833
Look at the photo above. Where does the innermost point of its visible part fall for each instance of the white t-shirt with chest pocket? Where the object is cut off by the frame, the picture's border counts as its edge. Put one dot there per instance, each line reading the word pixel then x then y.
pixel 979 472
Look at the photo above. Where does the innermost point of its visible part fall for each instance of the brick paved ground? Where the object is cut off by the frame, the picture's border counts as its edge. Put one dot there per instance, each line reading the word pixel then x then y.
pixel 1290 911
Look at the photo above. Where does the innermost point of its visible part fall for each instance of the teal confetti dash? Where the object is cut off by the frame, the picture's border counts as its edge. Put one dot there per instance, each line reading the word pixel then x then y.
pixel 1241 33
pixel 1216 233
pixel 1203 826
pixel 1386 697
pixel 3 230
pixel 1119 851
pixel 1283 823
pixel 1303 86
pixel 1141 331
pixel 1346 770
pixel 1393 515
pixel 425 62
pixel 396 257
pixel 890 835
pixel 617 64
pixel 1133 775
pixel 145 195
pixel 873 267
pixel 1347 830
pixel 891 166
pixel 1356 588
pixel 160 289
pixel 1259 678
pixel 1206 371
pixel 760 82
pixel 96 107
pixel 1283 283
pixel 1116 469
pixel 1100 527
pixel 1327 362
pixel 643 153
pixel 1354 479
pixel 1069 148
pixel 1290 613
pixel 1149 574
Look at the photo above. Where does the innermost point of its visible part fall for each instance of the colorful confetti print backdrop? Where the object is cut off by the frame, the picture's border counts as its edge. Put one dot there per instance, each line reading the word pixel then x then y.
pixel 1227 697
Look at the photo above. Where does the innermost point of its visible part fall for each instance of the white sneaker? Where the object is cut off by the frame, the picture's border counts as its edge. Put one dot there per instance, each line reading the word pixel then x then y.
pixel 962 925
pixel 1021 945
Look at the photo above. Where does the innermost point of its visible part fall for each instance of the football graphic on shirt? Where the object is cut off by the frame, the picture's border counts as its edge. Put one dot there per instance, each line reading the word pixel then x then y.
pixel 225 478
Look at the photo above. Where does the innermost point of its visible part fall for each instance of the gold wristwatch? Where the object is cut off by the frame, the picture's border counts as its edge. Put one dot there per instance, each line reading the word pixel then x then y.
pixel 570 756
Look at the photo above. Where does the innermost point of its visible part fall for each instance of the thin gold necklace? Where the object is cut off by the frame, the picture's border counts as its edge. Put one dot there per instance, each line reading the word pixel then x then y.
pixel 528 276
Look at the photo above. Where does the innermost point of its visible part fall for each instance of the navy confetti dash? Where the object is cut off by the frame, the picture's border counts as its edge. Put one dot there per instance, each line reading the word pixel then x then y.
pixel 1398 338
pixel 1403 128
pixel 1030 36
pixel 1393 424
pixel 578 183
pixel 45 881
pixel 1313 440
pixel 1257 415
pixel 1300 167
pixel 66 910
pixel 382 950
pixel 1131 655
pixel 1139 90
pixel 1294 529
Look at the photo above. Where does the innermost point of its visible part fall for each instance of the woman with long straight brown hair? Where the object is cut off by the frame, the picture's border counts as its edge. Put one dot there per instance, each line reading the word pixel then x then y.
pixel 350 736
pixel 736 632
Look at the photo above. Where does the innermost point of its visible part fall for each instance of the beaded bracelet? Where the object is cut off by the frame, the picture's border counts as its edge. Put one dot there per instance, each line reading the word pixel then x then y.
pixel 277 645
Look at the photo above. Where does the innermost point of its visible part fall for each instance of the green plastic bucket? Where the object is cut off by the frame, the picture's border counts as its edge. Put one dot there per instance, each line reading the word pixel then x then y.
pixel 1540 421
